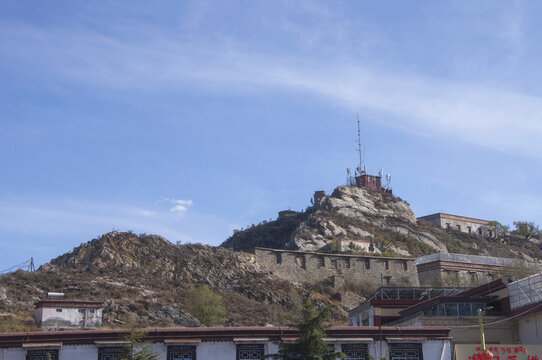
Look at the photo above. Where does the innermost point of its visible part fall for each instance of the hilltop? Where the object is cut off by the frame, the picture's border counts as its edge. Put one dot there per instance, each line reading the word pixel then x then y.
pixel 358 215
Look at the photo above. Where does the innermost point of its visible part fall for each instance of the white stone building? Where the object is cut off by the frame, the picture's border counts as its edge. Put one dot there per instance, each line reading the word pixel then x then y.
pixel 68 314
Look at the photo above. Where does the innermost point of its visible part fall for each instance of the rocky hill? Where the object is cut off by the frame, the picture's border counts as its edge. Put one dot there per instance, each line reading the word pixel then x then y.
pixel 359 214
pixel 145 277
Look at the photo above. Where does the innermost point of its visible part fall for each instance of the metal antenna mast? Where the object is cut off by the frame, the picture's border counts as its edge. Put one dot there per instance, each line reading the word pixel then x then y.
pixel 360 168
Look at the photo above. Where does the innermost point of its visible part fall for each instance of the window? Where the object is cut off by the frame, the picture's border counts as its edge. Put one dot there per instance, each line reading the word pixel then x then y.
pixel 92 311
pixel 42 354
pixel 406 351
pixel 109 353
pixel 347 263
pixel 181 353
pixel 367 263
pixel 249 352
pixel 491 233
pixel 480 231
pixel 387 264
pixel 300 261
pixel 58 310
pixel 321 262
pixel 355 351
pixel 278 258
pixel 447 225
pixel 458 227
pixel 405 265
pixel 81 311
pixel 469 229
pixel 334 263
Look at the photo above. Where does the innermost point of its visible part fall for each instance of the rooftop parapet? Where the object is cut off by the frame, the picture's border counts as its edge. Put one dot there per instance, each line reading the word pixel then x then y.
pixel 487 260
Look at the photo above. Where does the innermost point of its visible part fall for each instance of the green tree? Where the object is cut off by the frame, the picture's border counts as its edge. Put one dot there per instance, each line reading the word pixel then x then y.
pixel 206 306
pixel 527 229
pixel 311 345
pixel 498 228
pixel 134 347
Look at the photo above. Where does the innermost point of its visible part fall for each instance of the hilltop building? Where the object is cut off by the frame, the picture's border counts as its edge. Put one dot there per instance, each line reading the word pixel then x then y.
pixel 460 223
pixel 471 270
pixel 314 267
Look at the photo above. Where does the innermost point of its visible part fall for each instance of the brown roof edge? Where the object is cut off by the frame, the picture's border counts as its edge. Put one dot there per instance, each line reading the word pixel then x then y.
pixel 70 304
pixel 456 217
pixel 74 337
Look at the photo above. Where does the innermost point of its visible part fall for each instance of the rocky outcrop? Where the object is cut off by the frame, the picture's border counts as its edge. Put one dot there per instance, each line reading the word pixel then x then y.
pixel 361 216
pixel 353 213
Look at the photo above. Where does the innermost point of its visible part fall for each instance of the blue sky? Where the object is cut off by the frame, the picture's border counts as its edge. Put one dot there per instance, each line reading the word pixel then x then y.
pixel 190 119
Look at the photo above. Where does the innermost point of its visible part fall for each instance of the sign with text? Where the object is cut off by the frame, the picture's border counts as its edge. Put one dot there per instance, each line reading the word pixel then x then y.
pixel 499 351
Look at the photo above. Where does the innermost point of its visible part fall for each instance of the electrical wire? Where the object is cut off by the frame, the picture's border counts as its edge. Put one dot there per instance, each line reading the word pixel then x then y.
pixel 19 266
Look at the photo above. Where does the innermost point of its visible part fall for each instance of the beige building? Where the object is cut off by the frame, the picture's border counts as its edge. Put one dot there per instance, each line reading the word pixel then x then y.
pixel 460 223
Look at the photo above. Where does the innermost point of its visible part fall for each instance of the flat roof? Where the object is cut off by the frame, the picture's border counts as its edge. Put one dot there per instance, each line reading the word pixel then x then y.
pixel 456 217
pixel 332 254
pixel 70 304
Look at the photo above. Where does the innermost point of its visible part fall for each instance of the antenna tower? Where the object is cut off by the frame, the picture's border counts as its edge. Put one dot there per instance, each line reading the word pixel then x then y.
pixel 360 169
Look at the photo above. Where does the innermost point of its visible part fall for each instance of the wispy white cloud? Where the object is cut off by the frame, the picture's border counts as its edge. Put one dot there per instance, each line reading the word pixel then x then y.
pixel 179 205
pixel 483 115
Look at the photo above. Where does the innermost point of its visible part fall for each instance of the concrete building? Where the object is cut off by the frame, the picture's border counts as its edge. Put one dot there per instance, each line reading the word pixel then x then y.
pixel 234 343
pixel 511 311
pixel 383 307
pixel 464 270
pixel 313 267
pixel 526 308
pixel 459 223
pixel 68 314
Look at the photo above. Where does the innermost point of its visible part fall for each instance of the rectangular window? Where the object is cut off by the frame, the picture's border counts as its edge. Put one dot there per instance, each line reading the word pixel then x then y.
pixel 249 352
pixel 458 227
pixel 469 229
pixel 300 261
pixel 447 225
pixel 181 353
pixel 406 351
pixel 334 263
pixel 58 310
pixel 278 258
pixel 92 311
pixel 50 354
pixel 480 231
pixel 81 311
pixel 321 262
pixel 347 263
pixel 355 351
pixel 405 265
pixel 387 264
pixel 367 263
pixel 109 353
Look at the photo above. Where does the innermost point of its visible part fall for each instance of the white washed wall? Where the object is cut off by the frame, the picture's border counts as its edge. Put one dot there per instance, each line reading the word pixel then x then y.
pixel 432 350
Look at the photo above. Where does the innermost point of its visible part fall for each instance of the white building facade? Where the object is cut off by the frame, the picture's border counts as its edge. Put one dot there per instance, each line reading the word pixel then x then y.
pixel 243 343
